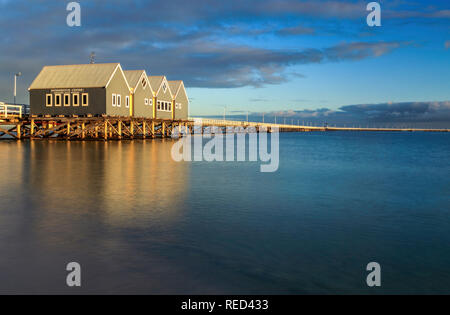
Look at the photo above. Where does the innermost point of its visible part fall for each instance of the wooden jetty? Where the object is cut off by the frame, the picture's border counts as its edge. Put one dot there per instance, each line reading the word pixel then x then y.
pixel 16 125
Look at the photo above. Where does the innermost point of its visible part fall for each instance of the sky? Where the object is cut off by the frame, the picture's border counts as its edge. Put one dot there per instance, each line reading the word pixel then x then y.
pixel 304 60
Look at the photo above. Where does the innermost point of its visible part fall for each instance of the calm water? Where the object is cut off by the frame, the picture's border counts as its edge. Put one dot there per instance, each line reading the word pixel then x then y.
pixel 138 222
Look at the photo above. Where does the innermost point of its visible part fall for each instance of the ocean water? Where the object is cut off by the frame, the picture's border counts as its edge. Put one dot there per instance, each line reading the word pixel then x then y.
pixel 138 222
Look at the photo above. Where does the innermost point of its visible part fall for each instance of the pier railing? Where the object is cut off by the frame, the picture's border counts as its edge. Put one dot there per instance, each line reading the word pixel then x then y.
pixel 10 111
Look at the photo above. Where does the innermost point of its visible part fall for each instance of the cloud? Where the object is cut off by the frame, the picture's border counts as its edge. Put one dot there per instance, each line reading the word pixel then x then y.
pixel 215 65
pixel 296 30
pixel 405 111
pixel 435 113
pixel 210 46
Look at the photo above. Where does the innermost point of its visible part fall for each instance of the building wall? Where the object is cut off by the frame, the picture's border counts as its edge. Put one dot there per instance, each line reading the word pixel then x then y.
pixel 96 102
pixel 140 94
pixel 182 99
pixel 164 97
pixel 117 86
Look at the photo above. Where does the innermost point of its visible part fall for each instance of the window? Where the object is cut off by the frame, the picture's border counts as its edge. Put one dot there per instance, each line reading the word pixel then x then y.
pixel 119 100
pixel 144 83
pixel 159 105
pixel 85 99
pixel 66 100
pixel 127 102
pixel 179 105
pixel 146 101
pixel 48 100
pixel 170 107
pixel 114 100
pixel 165 105
pixel 75 99
pixel 164 87
pixel 150 102
pixel 57 99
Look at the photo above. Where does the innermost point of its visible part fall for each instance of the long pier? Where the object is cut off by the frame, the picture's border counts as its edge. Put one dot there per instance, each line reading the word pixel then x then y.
pixel 15 125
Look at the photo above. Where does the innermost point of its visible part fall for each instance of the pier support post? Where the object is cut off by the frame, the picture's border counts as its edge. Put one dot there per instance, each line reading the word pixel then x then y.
pixel 106 130
pixel 32 127
pixel 163 134
pixel 19 132
pixel 68 129
pixel 119 128
pixel 132 129
pixel 83 132
pixel 153 129
pixel 144 130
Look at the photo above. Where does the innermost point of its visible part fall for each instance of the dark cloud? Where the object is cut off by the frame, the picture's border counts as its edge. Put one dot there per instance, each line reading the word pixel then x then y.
pixel 435 114
pixel 214 65
pixel 406 111
pixel 207 45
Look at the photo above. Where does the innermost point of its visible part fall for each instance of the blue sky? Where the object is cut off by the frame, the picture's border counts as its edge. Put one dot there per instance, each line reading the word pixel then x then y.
pixel 286 57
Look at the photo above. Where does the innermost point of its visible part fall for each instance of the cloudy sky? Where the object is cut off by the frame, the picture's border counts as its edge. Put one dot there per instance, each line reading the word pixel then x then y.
pixel 289 57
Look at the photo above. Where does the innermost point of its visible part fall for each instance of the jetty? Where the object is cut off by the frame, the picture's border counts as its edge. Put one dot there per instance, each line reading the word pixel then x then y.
pixel 15 124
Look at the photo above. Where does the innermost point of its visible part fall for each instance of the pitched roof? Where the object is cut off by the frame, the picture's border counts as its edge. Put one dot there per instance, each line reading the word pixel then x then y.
pixel 74 76
pixel 133 77
pixel 156 81
pixel 175 87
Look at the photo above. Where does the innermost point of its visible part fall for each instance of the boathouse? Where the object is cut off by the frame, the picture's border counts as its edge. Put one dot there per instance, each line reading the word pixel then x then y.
pixel 87 89
pixel 162 96
pixel 180 100
pixel 141 93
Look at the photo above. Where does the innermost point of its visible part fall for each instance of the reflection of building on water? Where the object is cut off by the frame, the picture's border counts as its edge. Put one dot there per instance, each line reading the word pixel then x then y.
pixel 11 166
pixel 143 179
pixel 129 182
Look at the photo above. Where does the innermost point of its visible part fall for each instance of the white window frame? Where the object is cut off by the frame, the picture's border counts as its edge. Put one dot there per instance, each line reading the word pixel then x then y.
pixel 47 103
pixel 144 83
pixel 169 108
pixel 77 103
pixel 58 104
pixel 164 87
pixel 146 101
pixel 150 102
pixel 159 105
pixel 119 100
pixel 127 101
pixel 87 99
pixel 64 102
pixel 114 97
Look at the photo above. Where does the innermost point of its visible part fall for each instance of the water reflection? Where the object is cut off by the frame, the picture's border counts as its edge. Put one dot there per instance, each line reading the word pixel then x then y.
pixel 92 202
pixel 130 183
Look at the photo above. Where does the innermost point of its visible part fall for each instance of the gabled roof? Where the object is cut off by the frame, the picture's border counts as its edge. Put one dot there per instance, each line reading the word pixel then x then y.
pixel 75 76
pixel 134 77
pixel 156 81
pixel 175 87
